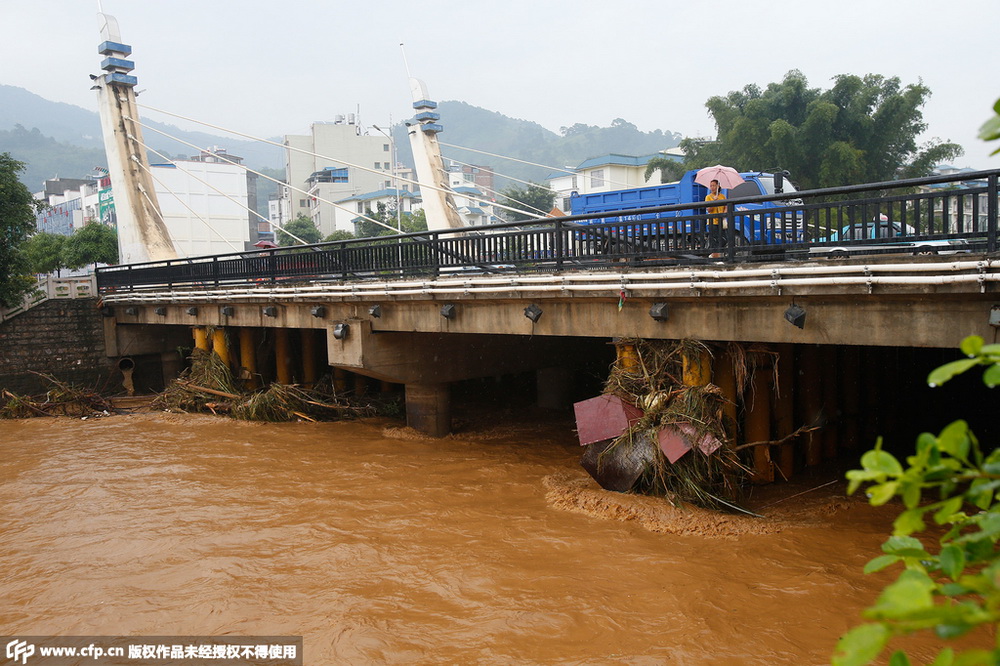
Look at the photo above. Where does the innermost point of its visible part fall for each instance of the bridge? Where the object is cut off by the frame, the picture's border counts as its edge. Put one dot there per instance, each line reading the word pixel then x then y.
pixel 838 304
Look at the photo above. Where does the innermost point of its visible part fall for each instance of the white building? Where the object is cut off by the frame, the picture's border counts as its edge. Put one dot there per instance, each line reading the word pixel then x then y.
pixel 333 162
pixel 204 205
pixel 967 211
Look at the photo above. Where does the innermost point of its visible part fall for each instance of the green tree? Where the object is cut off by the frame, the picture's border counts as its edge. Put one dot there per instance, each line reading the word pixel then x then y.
pixel 17 223
pixel 670 170
pixel 338 235
pixel 45 252
pixel 410 222
pixel 94 243
pixel 990 131
pixel 954 586
pixel 863 129
pixel 536 200
pixel 302 227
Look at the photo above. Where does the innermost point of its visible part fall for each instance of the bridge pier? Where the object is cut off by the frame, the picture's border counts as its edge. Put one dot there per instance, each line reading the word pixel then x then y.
pixel 428 408
pixel 784 408
pixel 552 388
pixel 248 358
pixel 758 416
pixel 201 338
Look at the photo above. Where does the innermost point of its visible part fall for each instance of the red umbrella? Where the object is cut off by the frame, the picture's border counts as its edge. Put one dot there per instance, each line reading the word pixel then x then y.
pixel 265 244
pixel 728 177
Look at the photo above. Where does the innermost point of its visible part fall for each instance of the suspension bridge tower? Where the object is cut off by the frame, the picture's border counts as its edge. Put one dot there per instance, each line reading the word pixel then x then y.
pixel 423 129
pixel 142 234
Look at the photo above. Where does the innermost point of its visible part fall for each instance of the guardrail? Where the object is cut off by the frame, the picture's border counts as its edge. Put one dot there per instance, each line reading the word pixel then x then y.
pixel 50 287
pixel 935 215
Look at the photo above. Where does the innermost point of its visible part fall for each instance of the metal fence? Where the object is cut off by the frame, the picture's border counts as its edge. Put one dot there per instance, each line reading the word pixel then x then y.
pixel 937 215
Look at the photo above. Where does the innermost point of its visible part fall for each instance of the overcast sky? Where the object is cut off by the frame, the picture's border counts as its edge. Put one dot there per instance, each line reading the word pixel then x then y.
pixel 272 67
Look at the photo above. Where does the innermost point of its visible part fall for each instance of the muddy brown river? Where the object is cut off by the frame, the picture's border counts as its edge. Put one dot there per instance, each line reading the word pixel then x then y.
pixel 379 546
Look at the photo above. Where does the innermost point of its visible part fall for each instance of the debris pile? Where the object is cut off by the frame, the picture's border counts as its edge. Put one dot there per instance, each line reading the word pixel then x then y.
pixel 61 400
pixel 208 386
pixel 651 433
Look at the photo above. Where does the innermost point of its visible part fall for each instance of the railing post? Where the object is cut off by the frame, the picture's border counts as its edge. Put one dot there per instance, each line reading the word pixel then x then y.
pixel 558 245
pixel 991 214
pixel 215 270
pixel 730 233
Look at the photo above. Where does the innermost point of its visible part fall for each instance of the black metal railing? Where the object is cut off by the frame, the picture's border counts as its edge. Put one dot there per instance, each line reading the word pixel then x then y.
pixel 936 215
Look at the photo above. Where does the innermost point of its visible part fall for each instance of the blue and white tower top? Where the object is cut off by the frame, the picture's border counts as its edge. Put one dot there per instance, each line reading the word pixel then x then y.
pixel 426 116
pixel 115 64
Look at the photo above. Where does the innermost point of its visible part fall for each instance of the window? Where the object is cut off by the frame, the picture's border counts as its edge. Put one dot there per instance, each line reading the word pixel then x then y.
pixel 385 147
pixel 597 178
pixel 566 204
pixel 378 165
pixel 361 207
pixel 303 203
pixel 388 184
pixel 385 165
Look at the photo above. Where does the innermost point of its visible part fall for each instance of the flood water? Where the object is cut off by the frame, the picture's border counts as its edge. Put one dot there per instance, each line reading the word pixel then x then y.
pixel 377 545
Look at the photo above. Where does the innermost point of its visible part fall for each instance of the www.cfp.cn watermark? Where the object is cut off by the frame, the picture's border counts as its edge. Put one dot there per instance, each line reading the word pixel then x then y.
pixel 180 650
pixel 19 651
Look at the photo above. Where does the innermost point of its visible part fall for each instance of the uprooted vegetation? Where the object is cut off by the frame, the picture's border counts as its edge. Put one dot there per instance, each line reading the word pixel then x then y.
pixel 209 386
pixel 706 465
pixel 61 399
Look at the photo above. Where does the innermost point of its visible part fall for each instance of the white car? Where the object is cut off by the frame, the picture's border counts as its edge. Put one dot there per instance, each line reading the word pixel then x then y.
pixel 889 237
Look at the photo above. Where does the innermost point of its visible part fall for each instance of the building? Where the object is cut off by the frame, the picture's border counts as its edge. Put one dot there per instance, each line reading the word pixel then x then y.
pixel 402 201
pixel 73 202
pixel 204 206
pixel 335 161
pixel 255 224
pixel 204 202
pixel 604 174
pixel 481 177
pixel 966 210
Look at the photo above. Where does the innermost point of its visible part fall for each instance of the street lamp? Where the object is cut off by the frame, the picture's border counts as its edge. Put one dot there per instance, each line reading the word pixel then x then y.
pixel 392 173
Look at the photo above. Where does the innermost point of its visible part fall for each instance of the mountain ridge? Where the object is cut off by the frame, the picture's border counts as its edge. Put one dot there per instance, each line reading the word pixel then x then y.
pixel 59 139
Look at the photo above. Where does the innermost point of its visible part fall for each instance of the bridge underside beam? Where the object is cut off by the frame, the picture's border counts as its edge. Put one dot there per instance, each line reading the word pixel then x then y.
pixel 437 358
pixel 860 321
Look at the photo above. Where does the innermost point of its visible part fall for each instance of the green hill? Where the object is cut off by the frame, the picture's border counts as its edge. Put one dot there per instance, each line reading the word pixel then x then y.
pixel 473 127
pixel 56 139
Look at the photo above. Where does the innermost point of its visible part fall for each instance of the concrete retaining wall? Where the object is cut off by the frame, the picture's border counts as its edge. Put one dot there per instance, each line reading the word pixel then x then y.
pixel 62 338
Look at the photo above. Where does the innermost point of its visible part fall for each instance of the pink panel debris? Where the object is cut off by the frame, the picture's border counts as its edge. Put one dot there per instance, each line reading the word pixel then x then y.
pixel 673 444
pixel 707 443
pixel 604 417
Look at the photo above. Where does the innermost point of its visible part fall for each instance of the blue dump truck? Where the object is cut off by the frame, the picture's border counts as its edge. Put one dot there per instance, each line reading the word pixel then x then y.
pixel 755 223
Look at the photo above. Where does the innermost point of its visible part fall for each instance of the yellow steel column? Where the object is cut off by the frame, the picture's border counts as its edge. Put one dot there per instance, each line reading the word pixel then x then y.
pixel 725 379
pixel 697 366
pixel 201 338
pixel 309 373
pixel 758 403
pixel 248 358
pixel 282 356
pixel 627 356
pixel 784 408
pixel 220 345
